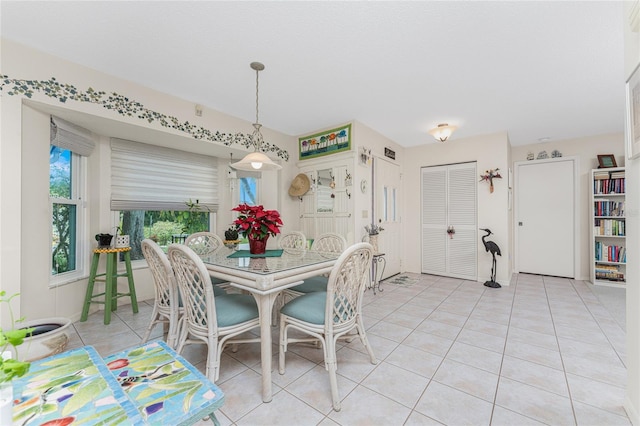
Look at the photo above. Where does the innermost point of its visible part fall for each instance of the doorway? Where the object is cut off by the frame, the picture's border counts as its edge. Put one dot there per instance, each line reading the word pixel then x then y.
pixel 546 219
pixel 387 182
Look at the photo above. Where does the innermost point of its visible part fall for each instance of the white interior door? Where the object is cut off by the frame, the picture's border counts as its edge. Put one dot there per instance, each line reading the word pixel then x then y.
pixel 449 200
pixel 387 187
pixel 545 217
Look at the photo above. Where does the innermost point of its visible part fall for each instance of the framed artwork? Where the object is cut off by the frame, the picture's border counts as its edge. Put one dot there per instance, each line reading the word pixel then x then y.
pixel 607 160
pixel 325 143
pixel 633 114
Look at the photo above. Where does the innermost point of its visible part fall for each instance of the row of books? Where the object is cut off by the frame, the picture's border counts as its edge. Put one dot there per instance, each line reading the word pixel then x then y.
pixel 604 174
pixel 609 253
pixel 609 186
pixel 609 272
pixel 609 227
pixel 608 208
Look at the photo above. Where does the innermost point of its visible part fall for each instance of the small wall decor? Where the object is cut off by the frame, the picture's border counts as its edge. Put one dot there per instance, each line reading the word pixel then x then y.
pixel 542 155
pixel 555 153
pixel 530 155
pixel 489 176
pixel 607 160
pixel 365 156
pixel 325 143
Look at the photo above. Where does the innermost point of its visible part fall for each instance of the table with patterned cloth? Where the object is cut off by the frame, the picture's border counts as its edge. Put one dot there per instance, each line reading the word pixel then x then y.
pixel 148 384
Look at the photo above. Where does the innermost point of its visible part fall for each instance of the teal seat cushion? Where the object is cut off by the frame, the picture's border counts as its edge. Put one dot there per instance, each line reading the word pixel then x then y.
pixel 218 291
pixel 308 307
pixel 312 284
pixel 232 309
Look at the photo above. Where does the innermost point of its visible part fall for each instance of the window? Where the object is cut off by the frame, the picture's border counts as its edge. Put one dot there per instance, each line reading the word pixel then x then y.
pixel 161 193
pixel 65 189
pixel 248 193
pixel 164 227
pixel 68 149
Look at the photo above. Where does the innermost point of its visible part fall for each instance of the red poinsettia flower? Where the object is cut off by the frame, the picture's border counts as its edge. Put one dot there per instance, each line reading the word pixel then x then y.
pixel 256 222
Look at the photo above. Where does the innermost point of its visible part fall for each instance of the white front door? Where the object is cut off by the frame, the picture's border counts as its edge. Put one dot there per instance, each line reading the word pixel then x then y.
pixel 387 193
pixel 546 217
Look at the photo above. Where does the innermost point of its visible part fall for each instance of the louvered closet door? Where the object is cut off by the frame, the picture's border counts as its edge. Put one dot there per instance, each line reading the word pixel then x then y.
pixel 449 199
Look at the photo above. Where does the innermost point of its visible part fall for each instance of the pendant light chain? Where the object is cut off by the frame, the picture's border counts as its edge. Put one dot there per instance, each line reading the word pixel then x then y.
pixel 257 95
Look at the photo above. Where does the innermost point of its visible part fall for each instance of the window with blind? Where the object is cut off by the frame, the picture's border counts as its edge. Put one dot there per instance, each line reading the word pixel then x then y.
pixel 69 147
pixel 161 193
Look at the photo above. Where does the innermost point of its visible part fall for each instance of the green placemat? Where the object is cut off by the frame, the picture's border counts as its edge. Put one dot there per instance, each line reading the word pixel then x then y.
pixel 245 253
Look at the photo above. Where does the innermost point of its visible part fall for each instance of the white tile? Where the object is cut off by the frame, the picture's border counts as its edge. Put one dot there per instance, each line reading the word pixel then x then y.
pixel 468 379
pixel 453 407
pixel 396 383
pixel 536 403
pixel 366 407
pixel 284 409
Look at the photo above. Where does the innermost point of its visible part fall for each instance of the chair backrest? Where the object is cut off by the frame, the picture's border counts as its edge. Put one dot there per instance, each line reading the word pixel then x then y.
pixel 204 243
pixel 345 288
pixel 292 240
pixel 329 243
pixel 196 289
pixel 165 286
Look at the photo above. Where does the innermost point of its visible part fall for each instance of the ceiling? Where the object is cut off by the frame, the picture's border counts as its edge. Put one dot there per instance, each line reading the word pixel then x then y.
pixel 532 69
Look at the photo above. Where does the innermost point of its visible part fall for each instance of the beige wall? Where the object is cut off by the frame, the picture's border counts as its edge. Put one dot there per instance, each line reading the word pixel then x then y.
pixel 24 208
pixel 489 152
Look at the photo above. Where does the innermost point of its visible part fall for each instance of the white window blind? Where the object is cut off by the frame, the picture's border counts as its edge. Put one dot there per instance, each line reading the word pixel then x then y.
pixel 149 177
pixel 72 137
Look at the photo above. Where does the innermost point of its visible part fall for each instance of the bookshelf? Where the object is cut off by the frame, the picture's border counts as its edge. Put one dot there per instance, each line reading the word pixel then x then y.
pixel 608 230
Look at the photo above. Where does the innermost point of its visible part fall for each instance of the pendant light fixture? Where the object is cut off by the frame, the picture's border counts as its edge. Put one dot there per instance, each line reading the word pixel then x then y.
pixel 256 161
pixel 442 132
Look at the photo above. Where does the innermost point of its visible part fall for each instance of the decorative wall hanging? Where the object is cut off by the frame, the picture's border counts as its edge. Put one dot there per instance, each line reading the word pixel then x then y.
pixel 365 156
pixel 489 176
pixel 127 108
pixel 325 143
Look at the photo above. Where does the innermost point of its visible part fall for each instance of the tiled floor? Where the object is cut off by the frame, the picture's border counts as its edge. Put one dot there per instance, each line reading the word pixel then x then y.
pixel 543 350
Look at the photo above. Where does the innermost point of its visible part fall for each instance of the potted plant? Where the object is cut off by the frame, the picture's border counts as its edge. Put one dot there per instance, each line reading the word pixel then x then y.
pixel 373 230
pixel 231 239
pixel 10 365
pixel 257 224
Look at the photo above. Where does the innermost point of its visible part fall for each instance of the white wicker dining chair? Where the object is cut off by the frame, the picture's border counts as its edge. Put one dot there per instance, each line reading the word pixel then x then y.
pixel 292 241
pixel 166 309
pixel 326 243
pixel 212 320
pixel 328 316
pixel 204 244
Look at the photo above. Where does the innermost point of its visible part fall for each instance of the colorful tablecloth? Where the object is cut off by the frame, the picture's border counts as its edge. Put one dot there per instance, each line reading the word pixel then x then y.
pixel 72 387
pixel 144 385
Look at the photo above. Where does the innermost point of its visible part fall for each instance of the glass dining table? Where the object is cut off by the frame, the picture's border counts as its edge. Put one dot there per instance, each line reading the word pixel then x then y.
pixel 265 277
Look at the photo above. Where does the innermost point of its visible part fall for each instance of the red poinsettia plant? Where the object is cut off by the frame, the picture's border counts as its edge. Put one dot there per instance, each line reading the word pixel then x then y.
pixel 257 223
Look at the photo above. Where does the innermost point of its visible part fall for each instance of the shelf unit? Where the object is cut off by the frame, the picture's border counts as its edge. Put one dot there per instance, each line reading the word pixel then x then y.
pixel 608 227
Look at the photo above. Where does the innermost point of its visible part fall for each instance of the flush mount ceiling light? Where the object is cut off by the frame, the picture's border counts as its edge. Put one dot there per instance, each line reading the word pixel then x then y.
pixel 442 132
pixel 256 161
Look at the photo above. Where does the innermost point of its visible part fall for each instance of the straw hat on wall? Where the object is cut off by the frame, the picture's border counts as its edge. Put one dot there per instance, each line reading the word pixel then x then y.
pixel 300 185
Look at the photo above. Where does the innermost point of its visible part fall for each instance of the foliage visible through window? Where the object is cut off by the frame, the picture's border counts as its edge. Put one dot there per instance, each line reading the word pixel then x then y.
pixel 164 227
pixel 64 197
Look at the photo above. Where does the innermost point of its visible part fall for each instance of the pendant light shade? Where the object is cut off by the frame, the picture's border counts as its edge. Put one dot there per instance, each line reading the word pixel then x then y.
pixel 256 161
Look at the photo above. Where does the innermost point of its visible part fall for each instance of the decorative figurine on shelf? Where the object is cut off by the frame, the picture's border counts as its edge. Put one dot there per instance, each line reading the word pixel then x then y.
pixel 530 156
pixel 489 176
pixel 555 153
pixel 492 248
pixel 542 155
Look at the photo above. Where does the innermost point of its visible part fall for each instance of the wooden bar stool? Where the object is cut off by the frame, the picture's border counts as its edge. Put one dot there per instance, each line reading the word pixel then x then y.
pixel 110 279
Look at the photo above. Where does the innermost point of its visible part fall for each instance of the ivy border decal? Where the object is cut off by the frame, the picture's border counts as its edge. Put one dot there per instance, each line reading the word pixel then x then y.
pixel 127 108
